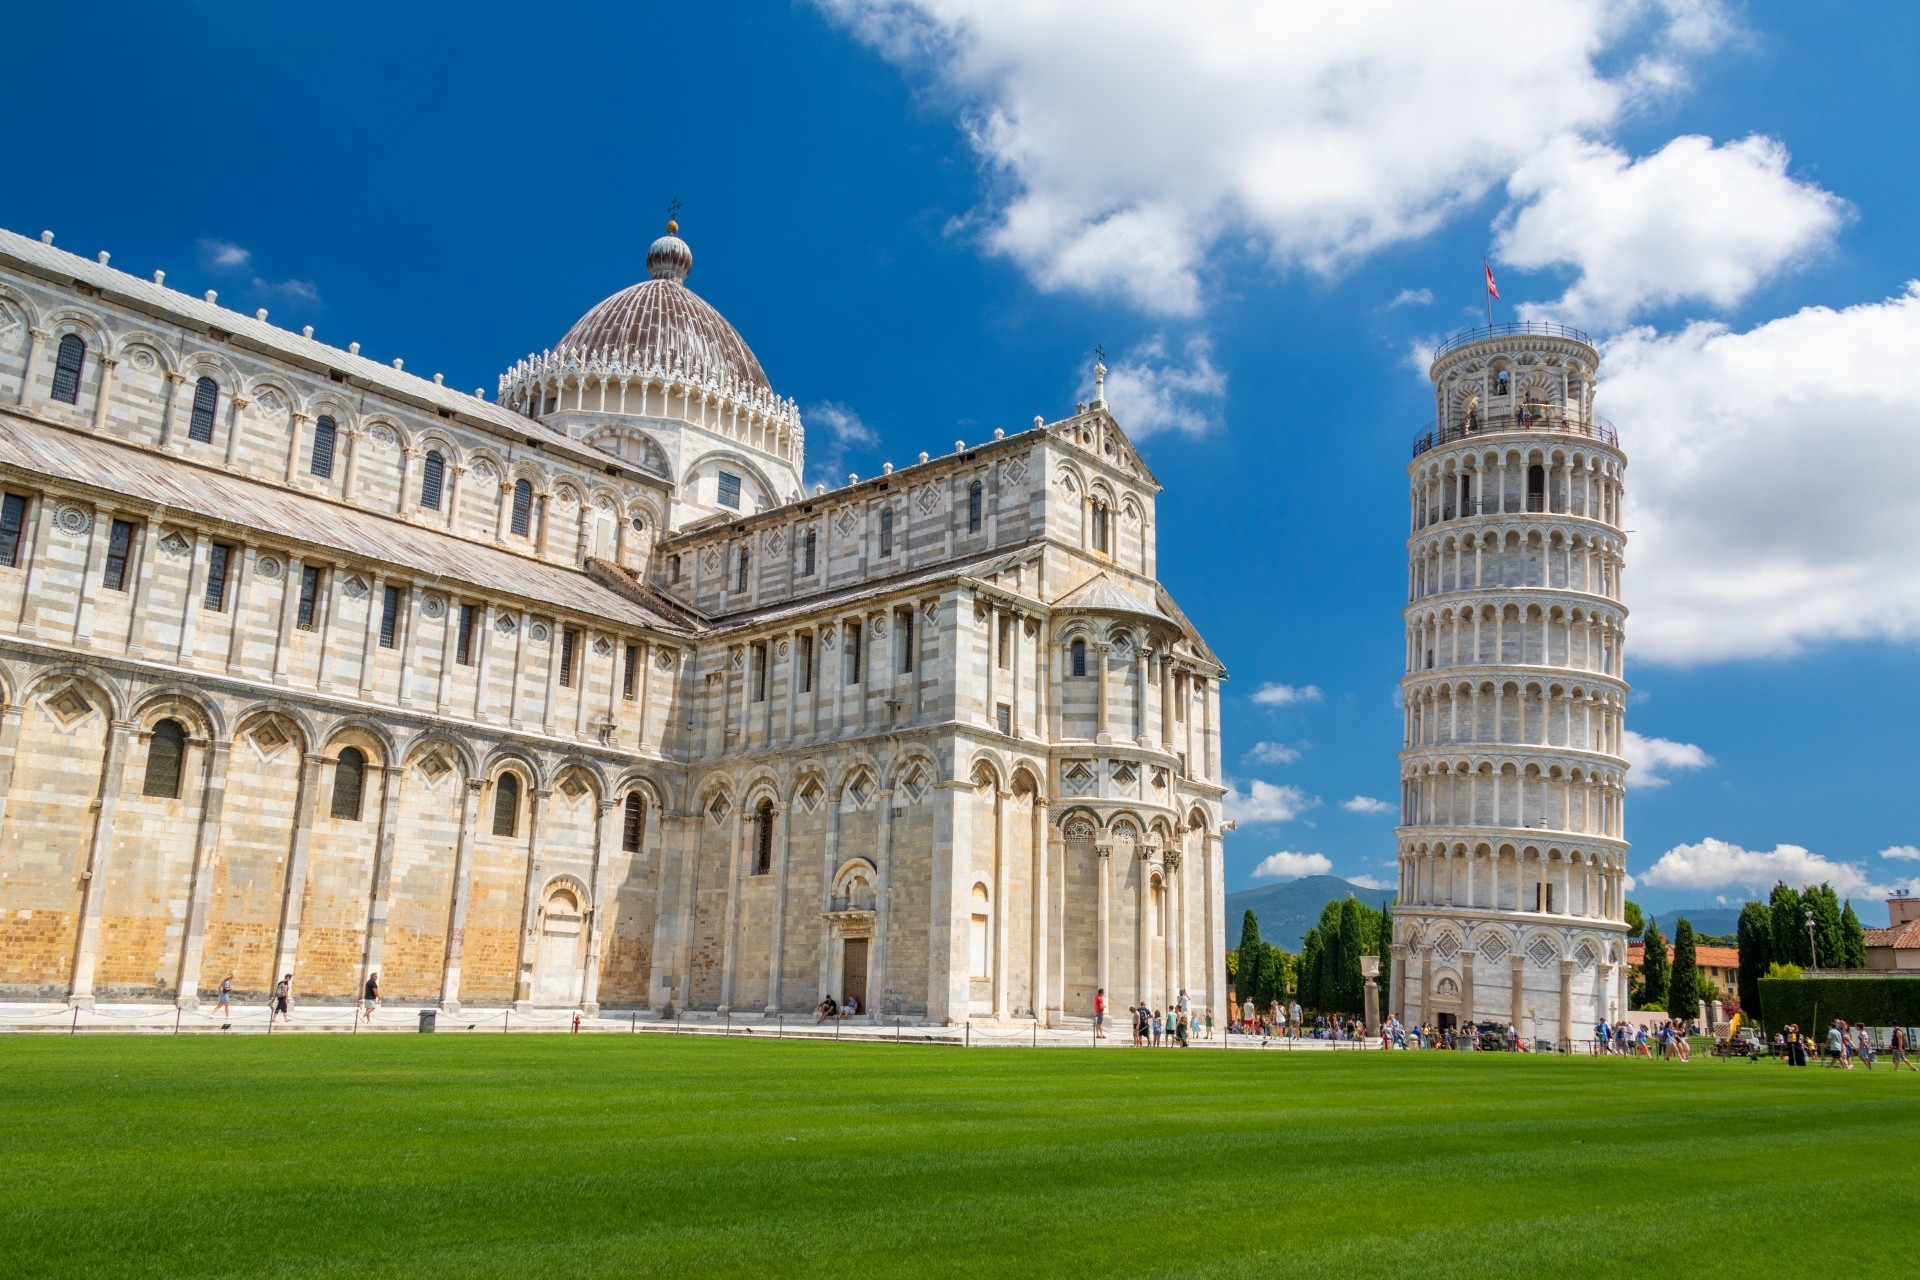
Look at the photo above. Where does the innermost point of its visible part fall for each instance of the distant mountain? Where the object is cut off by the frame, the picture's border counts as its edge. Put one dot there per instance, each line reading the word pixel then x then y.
pixel 1286 911
pixel 1715 920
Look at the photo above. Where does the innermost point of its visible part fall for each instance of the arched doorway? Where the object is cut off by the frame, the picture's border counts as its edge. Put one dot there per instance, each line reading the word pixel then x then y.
pixel 559 964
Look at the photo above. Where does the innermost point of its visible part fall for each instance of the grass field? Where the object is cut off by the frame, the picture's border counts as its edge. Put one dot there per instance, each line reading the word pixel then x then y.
pixel 648 1155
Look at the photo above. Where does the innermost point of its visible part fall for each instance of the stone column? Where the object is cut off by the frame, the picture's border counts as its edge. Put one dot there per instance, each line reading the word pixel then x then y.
pixel 1166 699
pixel 1140 696
pixel 236 405
pixel 391 773
pixel 408 455
pixel 1517 1013
pixel 462 892
pixel 1602 989
pixel 1037 962
pixel 36 342
pixel 90 574
pixel 1002 907
pixel 883 910
pixel 148 547
pixel 1426 984
pixel 530 901
pixel 289 605
pixel 1466 987
pixel 731 920
pixel 99 860
pixel 200 886
pixel 1102 976
pixel 294 890
pixel 1102 724
pixel 293 446
pixel 782 850
pixel 240 580
pixel 605 838
pixel 1397 981
pixel 1171 980
pixel 370 644
pixel 1566 1005
pixel 104 395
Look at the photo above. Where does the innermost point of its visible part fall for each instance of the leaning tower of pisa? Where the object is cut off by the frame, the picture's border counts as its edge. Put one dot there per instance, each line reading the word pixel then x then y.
pixel 1512 861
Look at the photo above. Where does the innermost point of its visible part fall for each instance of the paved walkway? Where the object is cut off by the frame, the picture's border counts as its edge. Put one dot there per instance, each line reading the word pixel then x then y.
pixel 249 1017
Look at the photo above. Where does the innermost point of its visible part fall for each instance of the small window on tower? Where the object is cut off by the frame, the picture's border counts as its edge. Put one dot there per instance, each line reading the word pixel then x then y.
pixel 729 490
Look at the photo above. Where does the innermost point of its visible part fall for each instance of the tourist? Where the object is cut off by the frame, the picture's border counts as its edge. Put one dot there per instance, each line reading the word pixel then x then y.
pixel 1209 1017
pixel 849 1007
pixel 827 1008
pixel 1837 1045
pixel 1863 1045
pixel 1249 1017
pixel 1186 1005
pixel 1100 1014
pixel 1899 1047
pixel 225 1003
pixel 370 997
pixel 1233 1012
pixel 1602 1040
pixel 1155 1028
pixel 281 1005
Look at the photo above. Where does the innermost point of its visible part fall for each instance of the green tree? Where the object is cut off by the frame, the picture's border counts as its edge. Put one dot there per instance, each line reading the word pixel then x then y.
pixel 1825 906
pixel 1312 964
pixel 1350 987
pixel 1653 969
pixel 1636 919
pixel 1853 939
pixel 1683 984
pixel 1754 938
pixel 1247 977
pixel 1789 926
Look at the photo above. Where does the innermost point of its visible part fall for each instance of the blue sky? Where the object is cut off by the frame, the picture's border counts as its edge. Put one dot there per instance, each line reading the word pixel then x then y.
pixel 923 216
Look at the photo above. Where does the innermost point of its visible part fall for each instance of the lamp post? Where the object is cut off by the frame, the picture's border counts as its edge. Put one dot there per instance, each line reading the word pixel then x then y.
pixel 1813 948
pixel 1370 970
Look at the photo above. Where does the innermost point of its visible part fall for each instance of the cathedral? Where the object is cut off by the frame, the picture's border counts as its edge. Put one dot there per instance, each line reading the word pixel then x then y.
pixel 575 696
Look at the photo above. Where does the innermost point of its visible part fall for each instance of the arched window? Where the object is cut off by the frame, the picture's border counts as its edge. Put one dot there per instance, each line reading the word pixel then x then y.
pixel 763 838
pixel 979 953
pixel 886 532
pixel 349 783
pixel 433 477
pixel 522 518
pixel 165 748
pixel 66 368
pixel 506 805
pixel 1502 382
pixel 1079 657
pixel 1536 487
pixel 206 398
pixel 976 493
pixel 324 432
pixel 741 569
pixel 633 822
pixel 1099 526
pixel 808 555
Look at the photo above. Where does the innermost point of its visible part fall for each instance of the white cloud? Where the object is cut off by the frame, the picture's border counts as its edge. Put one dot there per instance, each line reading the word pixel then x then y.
pixel 219 253
pixel 1266 802
pixel 1285 695
pixel 1366 804
pixel 1148 391
pixel 1904 852
pixel 1770 495
pixel 833 431
pixel 1412 298
pixel 1650 756
pixel 1121 148
pixel 1273 753
pixel 296 290
pixel 1691 222
pixel 1291 866
pixel 1369 882
pixel 1716 864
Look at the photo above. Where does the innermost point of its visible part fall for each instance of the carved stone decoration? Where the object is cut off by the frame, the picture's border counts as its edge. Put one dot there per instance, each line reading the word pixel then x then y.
pixel 433 606
pixel 566 498
pixel 736 660
pixel 710 559
pixel 141 358
pixel 485 473
pixel 1494 948
pixel 383 436
pixel 268 403
pixel 355 587
pixel 1015 470
pixel 780 651
pixel 505 624
pixel 844 521
pixel 539 633
pixel 880 625
pixel 602 646
pixel 1543 952
pixel 1079 829
pixel 932 609
pixel 830 638
pixel 175 545
pixel 776 541
pixel 69 705
pixel 665 659
pixel 928 498
pixel 269 567
pixel 73 519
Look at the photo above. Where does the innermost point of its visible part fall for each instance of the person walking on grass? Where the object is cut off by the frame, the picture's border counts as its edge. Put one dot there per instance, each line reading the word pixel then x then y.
pixel 1899 1047
pixel 1100 1014
pixel 370 997
pixel 1837 1045
pixel 1863 1045
pixel 281 1006
pixel 1209 1022
pixel 224 1005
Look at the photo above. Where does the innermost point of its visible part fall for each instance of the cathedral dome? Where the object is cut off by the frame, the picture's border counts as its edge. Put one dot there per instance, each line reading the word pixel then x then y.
pixel 661 324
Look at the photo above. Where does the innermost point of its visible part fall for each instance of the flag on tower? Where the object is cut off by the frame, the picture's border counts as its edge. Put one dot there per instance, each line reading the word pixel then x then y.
pixel 1493 290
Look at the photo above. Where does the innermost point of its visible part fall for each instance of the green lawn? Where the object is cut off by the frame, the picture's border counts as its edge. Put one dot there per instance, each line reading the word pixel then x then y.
pixel 567 1156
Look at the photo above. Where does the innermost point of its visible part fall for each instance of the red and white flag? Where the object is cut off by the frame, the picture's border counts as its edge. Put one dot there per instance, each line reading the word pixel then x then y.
pixel 1493 290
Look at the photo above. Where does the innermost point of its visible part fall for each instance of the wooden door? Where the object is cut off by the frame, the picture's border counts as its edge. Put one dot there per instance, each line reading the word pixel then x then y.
pixel 853 972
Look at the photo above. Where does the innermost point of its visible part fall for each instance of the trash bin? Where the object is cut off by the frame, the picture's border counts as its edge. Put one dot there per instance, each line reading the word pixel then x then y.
pixel 426 1020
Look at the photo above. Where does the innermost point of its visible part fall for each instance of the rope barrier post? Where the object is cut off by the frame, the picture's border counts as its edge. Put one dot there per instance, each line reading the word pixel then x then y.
pixel 633 1024
pixel 729 1027
pixel 506 1020
pixel 897 1035
pixel 75 1029
pixel 836 1026
pixel 781 1032
pixel 176 1019
pixel 1036 1031
pixel 969 1043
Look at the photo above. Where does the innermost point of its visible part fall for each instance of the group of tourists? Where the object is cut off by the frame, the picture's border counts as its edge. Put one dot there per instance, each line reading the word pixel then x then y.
pixel 1846 1044
pixel 1669 1041
pixel 1171 1028
pixel 280 1003
pixel 1396 1035
pixel 830 1009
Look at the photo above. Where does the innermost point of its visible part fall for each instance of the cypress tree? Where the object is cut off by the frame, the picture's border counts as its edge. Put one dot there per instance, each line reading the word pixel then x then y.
pixel 1310 967
pixel 1683 984
pixel 1754 937
pixel 1247 975
pixel 1853 939
pixel 1653 969
pixel 1825 905
pixel 1350 983
pixel 1789 927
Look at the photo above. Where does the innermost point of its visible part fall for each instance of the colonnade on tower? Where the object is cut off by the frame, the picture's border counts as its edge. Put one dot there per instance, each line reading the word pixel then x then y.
pixel 1512 852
